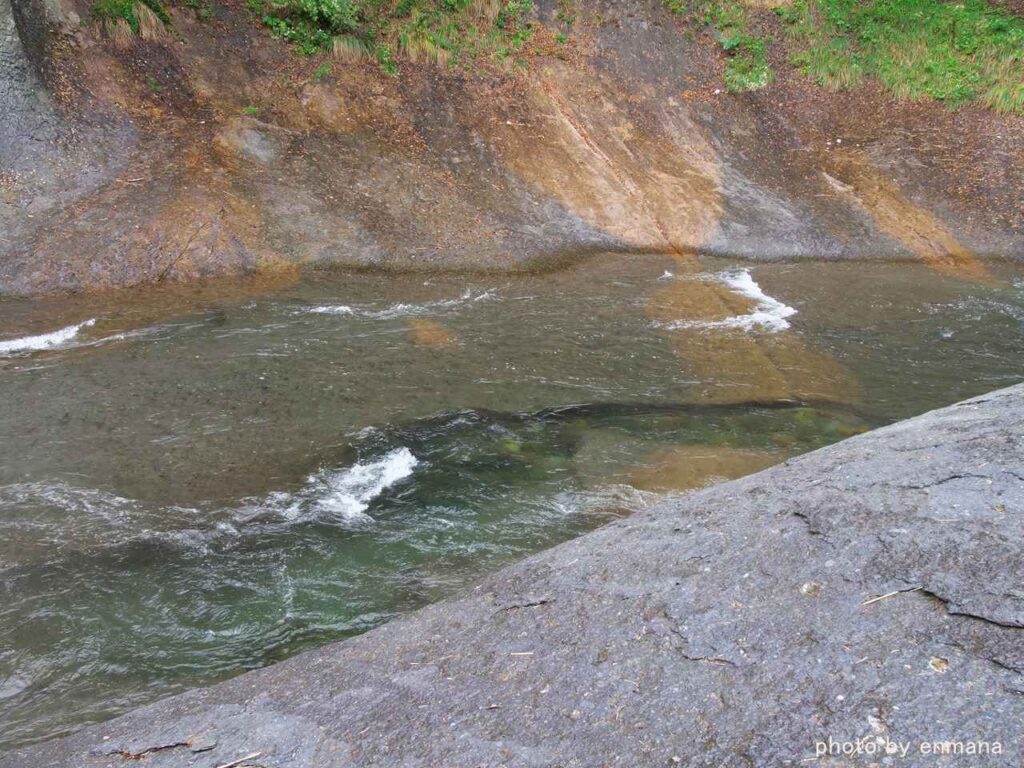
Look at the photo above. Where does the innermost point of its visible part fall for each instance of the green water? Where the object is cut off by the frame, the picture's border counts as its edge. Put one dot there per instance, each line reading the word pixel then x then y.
pixel 206 481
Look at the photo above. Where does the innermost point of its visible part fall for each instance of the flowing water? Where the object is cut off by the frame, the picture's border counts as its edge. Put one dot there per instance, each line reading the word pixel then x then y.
pixel 195 482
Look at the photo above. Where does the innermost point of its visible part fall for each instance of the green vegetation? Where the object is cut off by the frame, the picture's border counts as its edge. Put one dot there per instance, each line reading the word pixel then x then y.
pixel 954 52
pixel 747 69
pixel 445 32
pixel 566 12
pixel 203 9
pixel 747 66
pixel 137 14
pixel 251 110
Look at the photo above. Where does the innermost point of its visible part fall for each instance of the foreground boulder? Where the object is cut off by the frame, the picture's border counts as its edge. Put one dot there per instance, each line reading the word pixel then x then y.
pixel 864 596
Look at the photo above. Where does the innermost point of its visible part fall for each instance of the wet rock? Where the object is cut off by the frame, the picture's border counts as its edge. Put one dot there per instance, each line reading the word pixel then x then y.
pixel 250 139
pixel 685 467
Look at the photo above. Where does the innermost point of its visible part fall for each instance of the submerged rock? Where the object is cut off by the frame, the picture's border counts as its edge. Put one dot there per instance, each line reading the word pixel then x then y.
pixel 861 601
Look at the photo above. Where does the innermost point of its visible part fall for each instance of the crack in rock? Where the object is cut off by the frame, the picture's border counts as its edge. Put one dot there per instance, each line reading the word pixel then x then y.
pixel 715 660
pixel 525 604
pixel 935 483
pixel 1001 664
pixel 952 610
pixel 129 755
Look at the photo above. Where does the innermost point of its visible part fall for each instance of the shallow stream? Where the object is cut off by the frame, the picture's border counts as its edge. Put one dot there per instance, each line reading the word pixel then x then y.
pixel 195 482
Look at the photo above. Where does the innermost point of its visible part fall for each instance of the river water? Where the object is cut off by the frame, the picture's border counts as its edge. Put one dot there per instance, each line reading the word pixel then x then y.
pixel 199 481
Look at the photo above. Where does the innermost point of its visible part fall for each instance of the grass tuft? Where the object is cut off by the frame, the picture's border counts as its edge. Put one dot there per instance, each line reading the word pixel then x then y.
pixel 350 50
pixel 1004 91
pixel 119 31
pixel 484 11
pixel 150 25
pixel 831 65
pixel 747 68
pixel 141 18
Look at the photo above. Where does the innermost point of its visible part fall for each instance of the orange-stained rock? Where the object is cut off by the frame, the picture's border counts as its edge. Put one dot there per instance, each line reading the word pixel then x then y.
pixel 430 333
pixel 681 468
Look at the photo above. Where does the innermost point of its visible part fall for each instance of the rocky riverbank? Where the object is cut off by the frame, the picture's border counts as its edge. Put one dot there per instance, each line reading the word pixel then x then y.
pixel 861 596
pixel 210 148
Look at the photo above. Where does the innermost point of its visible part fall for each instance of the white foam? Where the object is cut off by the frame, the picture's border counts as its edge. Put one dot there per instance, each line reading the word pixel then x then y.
pixel 602 500
pixel 769 314
pixel 347 493
pixel 400 310
pixel 42 514
pixel 404 310
pixel 331 309
pixel 44 340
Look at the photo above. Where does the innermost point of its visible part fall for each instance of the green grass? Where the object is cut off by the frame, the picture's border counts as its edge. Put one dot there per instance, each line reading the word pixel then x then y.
pixel 954 52
pixel 129 10
pixel 967 51
pixel 444 32
pixel 746 66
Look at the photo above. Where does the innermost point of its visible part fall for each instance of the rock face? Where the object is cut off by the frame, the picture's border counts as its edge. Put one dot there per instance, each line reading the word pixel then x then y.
pixel 217 150
pixel 22 96
pixel 869 593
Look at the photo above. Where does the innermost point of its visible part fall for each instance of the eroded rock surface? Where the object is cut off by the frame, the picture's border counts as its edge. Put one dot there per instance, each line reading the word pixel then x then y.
pixel 867 591
pixel 215 149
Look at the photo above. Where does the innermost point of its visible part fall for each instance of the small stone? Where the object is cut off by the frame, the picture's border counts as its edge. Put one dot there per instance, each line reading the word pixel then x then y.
pixel 810 589
pixel 939 664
